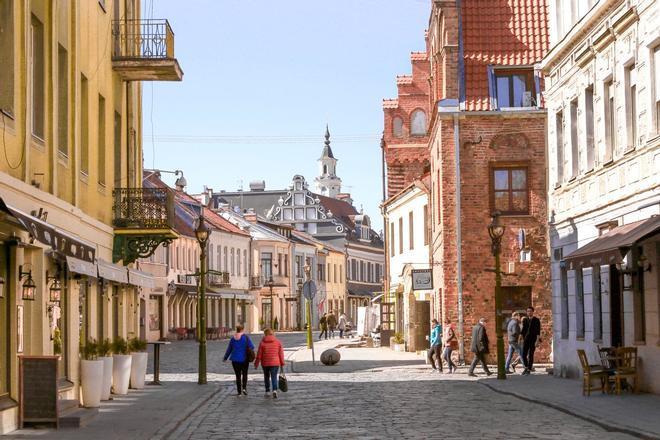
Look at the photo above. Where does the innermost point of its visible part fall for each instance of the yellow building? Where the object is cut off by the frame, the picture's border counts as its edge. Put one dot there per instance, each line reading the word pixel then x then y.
pixel 70 176
pixel 335 280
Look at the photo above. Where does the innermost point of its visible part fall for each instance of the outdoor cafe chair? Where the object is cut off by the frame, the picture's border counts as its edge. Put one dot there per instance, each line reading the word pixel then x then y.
pixel 626 368
pixel 590 372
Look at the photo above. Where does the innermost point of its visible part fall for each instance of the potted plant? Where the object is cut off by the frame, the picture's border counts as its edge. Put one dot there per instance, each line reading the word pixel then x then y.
pixel 398 343
pixel 57 341
pixel 121 366
pixel 138 350
pixel 104 350
pixel 91 375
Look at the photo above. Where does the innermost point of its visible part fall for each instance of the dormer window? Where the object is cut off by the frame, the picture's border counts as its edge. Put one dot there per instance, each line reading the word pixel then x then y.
pixel 513 88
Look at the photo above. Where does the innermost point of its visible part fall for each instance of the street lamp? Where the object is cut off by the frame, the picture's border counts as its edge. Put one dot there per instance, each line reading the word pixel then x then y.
pixel 270 284
pixel 496 231
pixel 202 233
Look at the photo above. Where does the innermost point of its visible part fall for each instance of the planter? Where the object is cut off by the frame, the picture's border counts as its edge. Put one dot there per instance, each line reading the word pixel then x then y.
pixel 399 347
pixel 107 377
pixel 91 383
pixel 121 373
pixel 138 369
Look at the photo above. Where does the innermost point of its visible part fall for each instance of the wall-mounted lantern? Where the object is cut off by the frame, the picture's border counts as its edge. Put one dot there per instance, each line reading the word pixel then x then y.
pixel 29 287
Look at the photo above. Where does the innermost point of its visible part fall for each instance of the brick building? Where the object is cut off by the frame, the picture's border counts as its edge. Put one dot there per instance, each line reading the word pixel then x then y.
pixel 487 131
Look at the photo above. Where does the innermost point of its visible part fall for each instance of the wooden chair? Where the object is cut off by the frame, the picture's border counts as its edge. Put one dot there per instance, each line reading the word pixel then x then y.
pixel 181 333
pixel 590 372
pixel 625 368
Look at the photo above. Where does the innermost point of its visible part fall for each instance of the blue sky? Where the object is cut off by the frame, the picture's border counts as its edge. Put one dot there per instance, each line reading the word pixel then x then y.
pixel 263 77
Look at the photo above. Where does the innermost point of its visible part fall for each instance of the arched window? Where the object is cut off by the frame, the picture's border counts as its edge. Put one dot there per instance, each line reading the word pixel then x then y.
pixel 418 123
pixel 325 169
pixel 397 127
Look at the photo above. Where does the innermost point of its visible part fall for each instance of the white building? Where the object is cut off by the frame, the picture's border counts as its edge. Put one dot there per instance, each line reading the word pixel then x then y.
pixel 327 182
pixel 603 100
pixel 407 214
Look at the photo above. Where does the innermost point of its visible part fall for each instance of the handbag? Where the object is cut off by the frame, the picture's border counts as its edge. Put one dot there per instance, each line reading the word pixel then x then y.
pixel 249 352
pixel 282 383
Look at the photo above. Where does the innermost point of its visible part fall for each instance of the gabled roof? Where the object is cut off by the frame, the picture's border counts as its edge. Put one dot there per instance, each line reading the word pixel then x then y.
pixel 257 231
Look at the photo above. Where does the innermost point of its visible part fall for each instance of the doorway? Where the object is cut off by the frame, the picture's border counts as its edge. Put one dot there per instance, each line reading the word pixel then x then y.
pixel 616 306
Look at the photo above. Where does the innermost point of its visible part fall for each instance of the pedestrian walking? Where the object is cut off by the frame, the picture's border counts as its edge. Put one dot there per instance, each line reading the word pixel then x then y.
pixel 238 351
pixel 513 336
pixel 341 325
pixel 436 345
pixel 531 333
pixel 479 347
pixel 332 323
pixel 271 357
pixel 450 342
pixel 323 324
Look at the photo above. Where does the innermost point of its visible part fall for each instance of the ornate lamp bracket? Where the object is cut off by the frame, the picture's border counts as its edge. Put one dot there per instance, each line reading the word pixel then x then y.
pixel 129 248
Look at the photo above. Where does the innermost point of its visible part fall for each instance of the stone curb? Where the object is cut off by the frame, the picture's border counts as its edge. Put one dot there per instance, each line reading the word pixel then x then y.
pixel 610 427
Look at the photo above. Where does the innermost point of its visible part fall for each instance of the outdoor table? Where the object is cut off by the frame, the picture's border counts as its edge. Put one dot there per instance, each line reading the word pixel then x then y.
pixel 157 345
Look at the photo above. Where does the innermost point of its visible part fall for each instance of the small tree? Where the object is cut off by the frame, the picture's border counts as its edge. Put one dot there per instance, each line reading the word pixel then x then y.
pixel 89 351
pixel 136 345
pixel 104 348
pixel 119 346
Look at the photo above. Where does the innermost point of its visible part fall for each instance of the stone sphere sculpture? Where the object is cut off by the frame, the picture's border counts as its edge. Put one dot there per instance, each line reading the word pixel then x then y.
pixel 330 357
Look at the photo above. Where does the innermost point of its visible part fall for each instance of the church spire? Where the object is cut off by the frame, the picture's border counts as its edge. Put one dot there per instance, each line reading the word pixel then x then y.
pixel 327 182
pixel 327 151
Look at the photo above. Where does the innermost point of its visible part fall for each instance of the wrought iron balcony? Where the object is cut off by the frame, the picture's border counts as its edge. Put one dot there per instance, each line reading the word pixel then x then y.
pixel 187 279
pixel 143 219
pixel 143 50
pixel 256 282
pixel 219 279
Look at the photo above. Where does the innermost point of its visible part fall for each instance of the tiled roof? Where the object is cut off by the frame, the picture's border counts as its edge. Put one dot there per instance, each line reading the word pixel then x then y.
pixel 418 56
pixel 390 103
pixel 340 209
pixel 404 79
pixel 500 32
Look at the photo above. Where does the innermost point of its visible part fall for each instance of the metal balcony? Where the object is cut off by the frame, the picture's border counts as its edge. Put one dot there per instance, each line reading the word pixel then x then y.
pixel 256 282
pixel 190 280
pixel 143 219
pixel 143 50
pixel 220 279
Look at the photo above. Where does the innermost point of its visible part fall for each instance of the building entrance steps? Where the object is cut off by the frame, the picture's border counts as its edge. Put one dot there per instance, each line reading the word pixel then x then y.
pixel 635 414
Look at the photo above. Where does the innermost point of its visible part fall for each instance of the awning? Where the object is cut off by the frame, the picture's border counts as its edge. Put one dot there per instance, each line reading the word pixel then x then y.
pixel 611 247
pixel 141 279
pixel 363 290
pixel 112 272
pixel 244 296
pixel 82 267
pixel 52 236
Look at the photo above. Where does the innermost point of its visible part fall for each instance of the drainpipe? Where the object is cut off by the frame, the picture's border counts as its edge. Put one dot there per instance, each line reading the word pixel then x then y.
pixel 457 161
pixel 387 238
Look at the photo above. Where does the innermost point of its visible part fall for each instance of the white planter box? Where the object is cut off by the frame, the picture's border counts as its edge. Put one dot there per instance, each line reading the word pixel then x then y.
pixel 121 373
pixel 91 383
pixel 107 377
pixel 399 347
pixel 138 369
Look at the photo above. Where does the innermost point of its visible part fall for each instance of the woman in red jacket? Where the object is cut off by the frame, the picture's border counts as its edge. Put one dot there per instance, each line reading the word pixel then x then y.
pixel 271 357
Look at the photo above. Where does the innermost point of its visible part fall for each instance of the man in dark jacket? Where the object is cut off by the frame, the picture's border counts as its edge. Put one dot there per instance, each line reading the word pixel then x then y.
pixel 479 347
pixel 531 333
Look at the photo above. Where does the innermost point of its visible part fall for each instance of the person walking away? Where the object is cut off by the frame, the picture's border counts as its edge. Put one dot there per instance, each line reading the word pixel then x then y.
pixel 237 351
pixel 341 325
pixel 323 324
pixel 332 323
pixel 513 335
pixel 271 357
pixel 450 342
pixel 479 347
pixel 531 333
pixel 435 340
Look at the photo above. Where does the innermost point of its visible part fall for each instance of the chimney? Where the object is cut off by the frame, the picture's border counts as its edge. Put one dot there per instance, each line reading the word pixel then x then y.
pixel 250 216
pixel 258 185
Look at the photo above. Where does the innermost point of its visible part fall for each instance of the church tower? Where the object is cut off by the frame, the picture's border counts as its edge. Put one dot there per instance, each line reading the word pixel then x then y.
pixel 327 183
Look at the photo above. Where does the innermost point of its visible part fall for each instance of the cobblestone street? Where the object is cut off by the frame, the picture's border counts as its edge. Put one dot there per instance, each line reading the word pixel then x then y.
pixel 371 394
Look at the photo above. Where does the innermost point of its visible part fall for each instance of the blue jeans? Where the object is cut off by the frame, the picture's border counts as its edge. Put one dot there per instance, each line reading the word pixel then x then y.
pixel 271 377
pixel 512 348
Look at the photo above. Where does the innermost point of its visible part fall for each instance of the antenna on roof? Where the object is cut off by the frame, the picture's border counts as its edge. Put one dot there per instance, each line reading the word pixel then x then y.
pixel 240 184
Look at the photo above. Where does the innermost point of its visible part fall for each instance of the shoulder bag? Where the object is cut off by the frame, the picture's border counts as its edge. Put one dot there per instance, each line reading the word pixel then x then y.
pixel 282 383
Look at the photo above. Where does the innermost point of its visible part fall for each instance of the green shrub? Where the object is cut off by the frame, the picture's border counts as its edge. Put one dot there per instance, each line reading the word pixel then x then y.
pixel 89 351
pixel 119 346
pixel 104 348
pixel 136 345
pixel 398 338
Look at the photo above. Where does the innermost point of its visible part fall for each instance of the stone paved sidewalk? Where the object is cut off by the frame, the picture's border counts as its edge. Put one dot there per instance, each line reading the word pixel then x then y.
pixel 638 414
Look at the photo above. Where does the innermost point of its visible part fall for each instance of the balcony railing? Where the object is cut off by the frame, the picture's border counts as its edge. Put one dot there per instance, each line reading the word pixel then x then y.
pixel 143 208
pixel 143 50
pixel 143 38
pixel 256 281
pixel 190 280
pixel 219 279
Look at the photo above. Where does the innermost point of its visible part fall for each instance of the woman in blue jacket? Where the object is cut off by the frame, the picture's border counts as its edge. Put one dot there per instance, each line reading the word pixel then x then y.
pixel 239 345
pixel 435 341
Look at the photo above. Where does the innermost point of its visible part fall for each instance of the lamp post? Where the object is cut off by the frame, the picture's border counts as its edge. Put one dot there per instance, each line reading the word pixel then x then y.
pixel 496 231
pixel 270 283
pixel 202 233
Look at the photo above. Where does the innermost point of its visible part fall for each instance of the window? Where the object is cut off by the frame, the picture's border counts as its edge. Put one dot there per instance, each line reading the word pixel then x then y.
pixel 514 88
pixel 598 303
pixel 400 235
pixel 559 128
pixel 117 146
pixel 219 259
pixel 238 262
pixel 579 304
pixel 411 233
pixel 510 193
pixel 225 260
pixel 589 116
pixel 7 57
pixel 341 274
pixel 575 158
pixel 37 88
pixel 245 263
pixel 610 120
pixel 101 142
pixel 209 252
pixel 397 127
pixel 335 275
pixel 418 123
pixel 84 125
pixel 231 253
pixel 631 103
pixel 656 89
pixel 392 239
pixel 426 225
pixel 266 265
pixel 280 266
pixel 62 101
pixel 564 302
pixel 362 271
pixel 319 272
